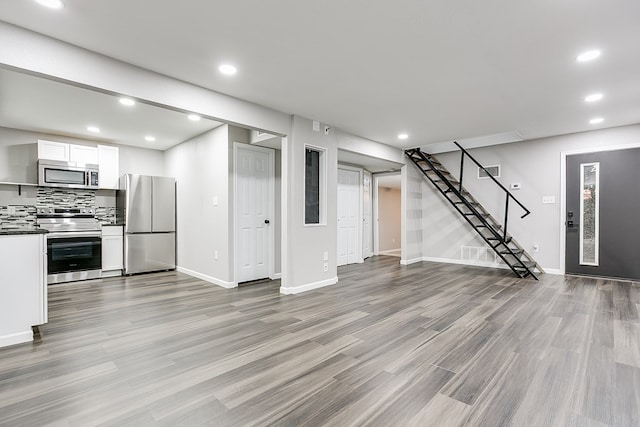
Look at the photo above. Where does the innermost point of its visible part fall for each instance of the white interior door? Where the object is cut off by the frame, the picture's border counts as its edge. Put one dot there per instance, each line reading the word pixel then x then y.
pixel 348 216
pixel 367 205
pixel 254 173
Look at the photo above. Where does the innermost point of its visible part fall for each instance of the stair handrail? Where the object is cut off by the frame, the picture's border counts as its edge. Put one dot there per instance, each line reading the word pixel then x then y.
pixel 464 152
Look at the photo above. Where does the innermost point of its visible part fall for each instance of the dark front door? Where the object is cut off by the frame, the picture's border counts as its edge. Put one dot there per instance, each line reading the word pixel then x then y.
pixel 603 214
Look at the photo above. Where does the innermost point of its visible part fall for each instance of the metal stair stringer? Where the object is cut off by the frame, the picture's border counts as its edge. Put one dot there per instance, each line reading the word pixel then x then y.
pixel 487 227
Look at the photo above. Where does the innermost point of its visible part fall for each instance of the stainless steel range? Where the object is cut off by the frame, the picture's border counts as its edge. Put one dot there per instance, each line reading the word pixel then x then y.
pixel 74 244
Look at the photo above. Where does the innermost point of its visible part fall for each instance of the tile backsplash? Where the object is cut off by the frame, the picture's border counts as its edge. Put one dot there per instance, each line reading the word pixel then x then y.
pixel 49 197
pixel 106 215
pixel 17 216
pixel 20 216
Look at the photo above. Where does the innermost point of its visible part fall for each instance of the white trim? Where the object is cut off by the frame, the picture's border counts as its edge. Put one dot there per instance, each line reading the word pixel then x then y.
pixel 224 284
pixel 552 271
pixel 563 191
pixel 308 286
pixel 322 221
pixel 367 175
pixel 271 185
pixel 16 338
pixel 410 261
pixel 276 276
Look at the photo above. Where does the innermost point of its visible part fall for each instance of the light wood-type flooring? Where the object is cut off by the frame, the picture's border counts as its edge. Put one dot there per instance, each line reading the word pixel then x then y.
pixel 425 345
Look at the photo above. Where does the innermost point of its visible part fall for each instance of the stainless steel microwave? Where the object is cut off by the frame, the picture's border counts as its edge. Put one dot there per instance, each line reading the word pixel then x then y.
pixel 52 173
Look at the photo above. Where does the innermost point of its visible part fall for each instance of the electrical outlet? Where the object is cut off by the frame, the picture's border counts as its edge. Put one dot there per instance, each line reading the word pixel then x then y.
pixel 215 255
pixel 215 201
pixel 326 266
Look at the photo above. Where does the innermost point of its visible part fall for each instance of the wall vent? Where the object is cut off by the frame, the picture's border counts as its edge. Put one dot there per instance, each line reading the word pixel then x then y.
pixel 494 171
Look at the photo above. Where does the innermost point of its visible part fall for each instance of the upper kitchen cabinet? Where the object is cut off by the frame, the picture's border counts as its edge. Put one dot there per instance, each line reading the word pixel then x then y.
pixel 63 152
pixel 108 160
pixel 51 150
pixel 83 154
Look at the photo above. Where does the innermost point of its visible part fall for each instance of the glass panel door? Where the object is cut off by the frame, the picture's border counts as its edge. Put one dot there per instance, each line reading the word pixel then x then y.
pixel 589 213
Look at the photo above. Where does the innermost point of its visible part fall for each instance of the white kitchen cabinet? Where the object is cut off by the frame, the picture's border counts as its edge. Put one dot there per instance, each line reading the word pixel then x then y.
pixel 109 160
pixel 23 287
pixel 51 150
pixel 112 250
pixel 83 154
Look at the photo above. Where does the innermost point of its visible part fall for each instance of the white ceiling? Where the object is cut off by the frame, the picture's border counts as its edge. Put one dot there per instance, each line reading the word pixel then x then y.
pixel 438 70
pixel 40 105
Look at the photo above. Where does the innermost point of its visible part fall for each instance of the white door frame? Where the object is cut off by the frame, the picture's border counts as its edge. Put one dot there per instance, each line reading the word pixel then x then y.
pixel 360 220
pixel 563 190
pixel 375 218
pixel 370 229
pixel 270 260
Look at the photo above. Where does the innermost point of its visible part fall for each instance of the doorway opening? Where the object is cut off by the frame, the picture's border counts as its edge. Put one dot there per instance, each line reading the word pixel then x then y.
pixel 388 215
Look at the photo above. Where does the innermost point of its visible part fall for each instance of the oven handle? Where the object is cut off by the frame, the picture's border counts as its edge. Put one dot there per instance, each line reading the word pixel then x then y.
pixel 71 234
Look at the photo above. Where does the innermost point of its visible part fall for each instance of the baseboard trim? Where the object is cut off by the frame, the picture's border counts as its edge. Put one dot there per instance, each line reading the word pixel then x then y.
pixel 276 276
pixel 410 261
pixel 308 287
pixel 553 271
pixel 210 279
pixel 391 252
pixel 17 338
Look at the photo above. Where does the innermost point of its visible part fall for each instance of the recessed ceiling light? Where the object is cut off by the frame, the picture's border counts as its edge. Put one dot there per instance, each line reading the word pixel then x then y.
pixel 150 138
pixel 403 136
pixel 53 4
pixel 596 120
pixel 127 101
pixel 228 69
pixel 93 129
pixel 194 117
pixel 593 97
pixel 589 55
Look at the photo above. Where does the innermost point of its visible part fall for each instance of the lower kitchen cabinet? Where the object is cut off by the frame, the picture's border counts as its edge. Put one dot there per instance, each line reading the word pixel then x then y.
pixel 23 286
pixel 112 250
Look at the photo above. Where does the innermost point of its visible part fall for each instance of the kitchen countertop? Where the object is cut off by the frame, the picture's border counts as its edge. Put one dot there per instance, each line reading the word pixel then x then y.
pixel 18 231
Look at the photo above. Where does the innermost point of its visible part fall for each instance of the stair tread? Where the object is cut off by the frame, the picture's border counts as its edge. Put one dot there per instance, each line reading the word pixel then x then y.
pixel 528 264
pixel 513 250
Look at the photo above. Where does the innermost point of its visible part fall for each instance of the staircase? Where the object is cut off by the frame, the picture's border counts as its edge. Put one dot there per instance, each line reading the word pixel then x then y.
pixel 487 227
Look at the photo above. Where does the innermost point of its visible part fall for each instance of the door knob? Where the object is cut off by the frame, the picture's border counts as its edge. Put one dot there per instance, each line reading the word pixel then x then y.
pixel 266 221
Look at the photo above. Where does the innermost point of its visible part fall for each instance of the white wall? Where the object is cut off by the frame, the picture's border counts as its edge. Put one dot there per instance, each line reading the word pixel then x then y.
pixel 536 166
pixel 412 214
pixel 389 218
pixel 303 268
pixel 201 168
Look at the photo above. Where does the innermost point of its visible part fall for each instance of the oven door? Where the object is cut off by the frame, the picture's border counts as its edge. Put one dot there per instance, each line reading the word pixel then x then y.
pixel 71 253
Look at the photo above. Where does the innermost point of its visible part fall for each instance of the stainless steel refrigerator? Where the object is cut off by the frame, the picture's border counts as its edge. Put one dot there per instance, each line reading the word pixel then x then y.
pixel 147 205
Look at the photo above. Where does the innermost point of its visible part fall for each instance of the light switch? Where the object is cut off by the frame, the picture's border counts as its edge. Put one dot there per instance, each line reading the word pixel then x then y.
pixel 547 200
pixel 215 201
pixel 326 256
